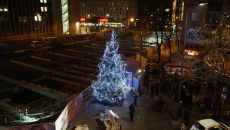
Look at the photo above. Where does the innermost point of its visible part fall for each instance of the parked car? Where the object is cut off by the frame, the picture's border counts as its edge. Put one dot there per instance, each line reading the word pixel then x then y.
pixel 209 124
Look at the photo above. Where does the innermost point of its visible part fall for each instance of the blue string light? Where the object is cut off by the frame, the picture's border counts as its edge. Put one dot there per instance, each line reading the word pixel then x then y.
pixel 111 84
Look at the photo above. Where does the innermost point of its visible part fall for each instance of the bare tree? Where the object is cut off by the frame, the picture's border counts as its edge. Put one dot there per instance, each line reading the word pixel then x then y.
pixel 215 36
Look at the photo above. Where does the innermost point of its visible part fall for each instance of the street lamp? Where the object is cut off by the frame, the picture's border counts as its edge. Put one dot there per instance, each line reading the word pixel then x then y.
pixel 202 4
pixel 131 19
pixel 127 15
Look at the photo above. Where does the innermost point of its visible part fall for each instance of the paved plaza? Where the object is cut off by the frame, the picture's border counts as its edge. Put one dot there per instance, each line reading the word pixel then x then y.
pixel 146 117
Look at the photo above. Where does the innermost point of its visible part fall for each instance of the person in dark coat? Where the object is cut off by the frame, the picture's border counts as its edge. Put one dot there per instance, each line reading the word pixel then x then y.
pixel 186 116
pixel 135 98
pixel 131 112
pixel 160 104
pixel 179 110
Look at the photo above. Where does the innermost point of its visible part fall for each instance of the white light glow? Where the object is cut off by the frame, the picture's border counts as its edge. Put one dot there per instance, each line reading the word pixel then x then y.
pixel 6 9
pixel 139 70
pixel 167 10
pixel 202 4
pixel 111 84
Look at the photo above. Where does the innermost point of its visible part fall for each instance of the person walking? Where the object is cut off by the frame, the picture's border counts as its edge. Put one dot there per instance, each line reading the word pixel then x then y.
pixel 186 116
pixel 179 109
pixel 131 112
pixel 160 103
pixel 135 98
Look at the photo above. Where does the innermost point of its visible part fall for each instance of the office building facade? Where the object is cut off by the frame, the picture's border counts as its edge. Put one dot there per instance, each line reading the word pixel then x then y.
pixel 153 13
pixel 108 11
pixel 66 14
pixel 25 17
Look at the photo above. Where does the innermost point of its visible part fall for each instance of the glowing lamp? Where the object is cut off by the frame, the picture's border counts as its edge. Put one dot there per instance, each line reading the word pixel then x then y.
pixel 131 20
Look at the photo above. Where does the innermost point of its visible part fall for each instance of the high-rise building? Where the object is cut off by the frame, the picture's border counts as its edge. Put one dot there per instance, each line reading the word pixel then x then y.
pixel 114 9
pixel 36 18
pixel 108 13
pixel 25 17
pixel 177 11
pixel 151 13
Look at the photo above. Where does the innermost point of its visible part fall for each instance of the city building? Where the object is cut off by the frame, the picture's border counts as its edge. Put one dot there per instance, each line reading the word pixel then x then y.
pixel 177 12
pixel 196 13
pixel 66 14
pixel 25 18
pixel 28 19
pixel 152 13
pixel 107 13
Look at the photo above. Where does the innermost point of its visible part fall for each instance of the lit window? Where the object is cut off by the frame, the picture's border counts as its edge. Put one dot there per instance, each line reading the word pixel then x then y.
pixel 167 10
pixel 37 18
pixel 43 1
pixel 42 9
pixel 6 9
pixel 45 9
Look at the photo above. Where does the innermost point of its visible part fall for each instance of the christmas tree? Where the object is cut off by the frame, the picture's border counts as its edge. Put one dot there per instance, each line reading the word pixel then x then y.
pixel 111 84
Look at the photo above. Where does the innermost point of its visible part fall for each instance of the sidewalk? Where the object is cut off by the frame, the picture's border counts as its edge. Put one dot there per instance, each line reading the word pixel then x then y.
pixel 195 114
pixel 145 117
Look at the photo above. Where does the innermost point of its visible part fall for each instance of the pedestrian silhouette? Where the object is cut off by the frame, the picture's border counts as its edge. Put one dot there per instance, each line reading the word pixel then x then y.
pixel 160 103
pixel 135 98
pixel 131 112
pixel 186 116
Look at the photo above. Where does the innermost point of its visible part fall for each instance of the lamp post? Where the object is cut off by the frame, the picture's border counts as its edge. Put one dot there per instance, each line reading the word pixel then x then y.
pixel 141 50
pixel 127 15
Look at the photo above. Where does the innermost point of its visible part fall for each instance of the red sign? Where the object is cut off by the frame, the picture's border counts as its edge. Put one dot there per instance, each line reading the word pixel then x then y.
pixel 103 20
pixel 82 19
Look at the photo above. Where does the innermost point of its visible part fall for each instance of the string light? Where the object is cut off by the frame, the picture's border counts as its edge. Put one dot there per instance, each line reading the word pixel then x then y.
pixel 111 84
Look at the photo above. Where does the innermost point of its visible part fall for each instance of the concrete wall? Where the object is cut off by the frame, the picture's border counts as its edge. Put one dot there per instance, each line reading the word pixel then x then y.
pixel 57 17
pixel 74 15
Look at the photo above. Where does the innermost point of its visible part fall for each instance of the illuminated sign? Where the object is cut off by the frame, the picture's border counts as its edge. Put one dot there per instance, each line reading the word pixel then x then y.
pixel 191 52
pixel 82 19
pixel 103 20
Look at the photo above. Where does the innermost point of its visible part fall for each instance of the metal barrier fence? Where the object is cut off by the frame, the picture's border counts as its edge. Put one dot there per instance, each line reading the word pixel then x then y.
pixel 74 105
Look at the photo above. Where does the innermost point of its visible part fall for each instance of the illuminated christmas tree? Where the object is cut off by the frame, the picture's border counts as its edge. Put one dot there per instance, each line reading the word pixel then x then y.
pixel 111 84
